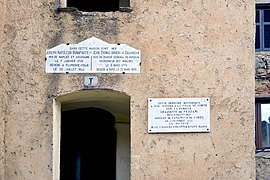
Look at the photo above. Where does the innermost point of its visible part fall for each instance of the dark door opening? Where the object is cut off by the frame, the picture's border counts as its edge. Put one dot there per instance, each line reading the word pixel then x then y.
pixel 94 5
pixel 88 145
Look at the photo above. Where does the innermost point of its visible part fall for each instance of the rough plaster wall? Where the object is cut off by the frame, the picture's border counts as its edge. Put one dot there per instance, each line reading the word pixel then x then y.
pixel 192 53
pixel 189 48
pixel 2 92
pixel 28 126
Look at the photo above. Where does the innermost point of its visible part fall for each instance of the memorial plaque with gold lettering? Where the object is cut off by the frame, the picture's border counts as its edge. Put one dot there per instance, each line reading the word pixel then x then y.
pixel 178 115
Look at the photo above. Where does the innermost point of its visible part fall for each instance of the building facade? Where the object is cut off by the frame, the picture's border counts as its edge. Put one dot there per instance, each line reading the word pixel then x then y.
pixel 188 49
pixel 262 90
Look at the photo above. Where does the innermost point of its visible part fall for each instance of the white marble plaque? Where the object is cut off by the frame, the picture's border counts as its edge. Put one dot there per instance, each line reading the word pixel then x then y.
pixel 178 115
pixel 90 81
pixel 93 56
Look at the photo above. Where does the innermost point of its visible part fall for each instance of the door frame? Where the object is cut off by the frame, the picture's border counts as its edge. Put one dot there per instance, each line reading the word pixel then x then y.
pixel 118 103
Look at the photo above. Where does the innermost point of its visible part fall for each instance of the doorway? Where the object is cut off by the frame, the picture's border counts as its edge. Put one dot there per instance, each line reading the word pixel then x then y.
pixel 88 145
pixel 91 135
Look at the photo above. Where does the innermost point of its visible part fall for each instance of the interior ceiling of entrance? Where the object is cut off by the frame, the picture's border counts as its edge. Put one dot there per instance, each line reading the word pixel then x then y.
pixel 115 102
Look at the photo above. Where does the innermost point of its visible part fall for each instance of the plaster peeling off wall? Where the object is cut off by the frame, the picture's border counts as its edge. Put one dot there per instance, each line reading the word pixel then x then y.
pixel 263 165
pixel 262 74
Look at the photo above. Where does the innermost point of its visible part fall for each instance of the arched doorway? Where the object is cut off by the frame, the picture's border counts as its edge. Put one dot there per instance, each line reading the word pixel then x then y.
pixel 92 135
